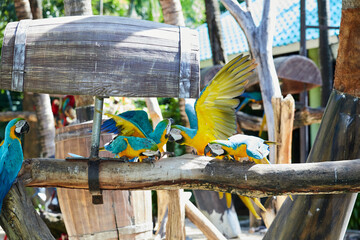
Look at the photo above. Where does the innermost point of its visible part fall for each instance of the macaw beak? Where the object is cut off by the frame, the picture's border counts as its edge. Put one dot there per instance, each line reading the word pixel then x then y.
pixel 171 139
pixel 207 150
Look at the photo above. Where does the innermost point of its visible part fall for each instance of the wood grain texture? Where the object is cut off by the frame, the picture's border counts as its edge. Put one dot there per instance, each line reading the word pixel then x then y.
pixel 199 172
pixel 325 216
pixel 304 117
pixel 124 214
pixel 102 56
pixel 204 224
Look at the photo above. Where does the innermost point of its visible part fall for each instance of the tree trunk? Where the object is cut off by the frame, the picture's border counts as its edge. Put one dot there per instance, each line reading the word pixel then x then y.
pixel 326 67
pixel 215 34
pixel 327 216
pixel 46 126
pixel 36 8
pixel 77 7
pixel 22 9
pixel 172 12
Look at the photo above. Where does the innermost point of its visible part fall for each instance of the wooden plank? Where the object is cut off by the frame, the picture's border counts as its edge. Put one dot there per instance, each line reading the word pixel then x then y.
pixel 199 172
pixel 176 216
pixel 202 222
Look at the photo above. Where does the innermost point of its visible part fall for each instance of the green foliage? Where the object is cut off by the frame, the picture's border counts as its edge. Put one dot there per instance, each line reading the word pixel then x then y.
pixel 7 15
pixel 53 8
pixel 194 12
pixel 355 216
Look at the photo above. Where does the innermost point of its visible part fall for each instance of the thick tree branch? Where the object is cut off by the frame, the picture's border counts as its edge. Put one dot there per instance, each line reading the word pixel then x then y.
pixel 304 117
pixel 243 17
pixel 199 172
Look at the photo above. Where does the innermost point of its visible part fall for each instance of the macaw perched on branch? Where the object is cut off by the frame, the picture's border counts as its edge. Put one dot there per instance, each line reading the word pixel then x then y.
pixel 134 128
pixel 11 155
pixel 215 109
pixel 240 147
pixel 132 147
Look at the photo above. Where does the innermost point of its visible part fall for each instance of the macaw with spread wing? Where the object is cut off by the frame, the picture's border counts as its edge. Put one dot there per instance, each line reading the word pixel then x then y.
pixel 11 155
pixel 213 116
pixel 215 108
pixel 135 124
pixel 133 147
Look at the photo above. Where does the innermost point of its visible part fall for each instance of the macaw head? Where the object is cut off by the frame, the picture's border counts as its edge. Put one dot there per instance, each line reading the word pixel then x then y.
pixel 16 127
pixel 214 149
pixel 153 151
pixel 176 134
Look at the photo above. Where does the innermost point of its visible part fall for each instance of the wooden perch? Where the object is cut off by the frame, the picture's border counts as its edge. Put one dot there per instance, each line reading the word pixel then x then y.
pixel 199 172
pixel 304 117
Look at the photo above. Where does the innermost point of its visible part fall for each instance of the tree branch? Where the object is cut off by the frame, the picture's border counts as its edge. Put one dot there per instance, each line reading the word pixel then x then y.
pixel 304 117
pixel 243 17
pixel 199 172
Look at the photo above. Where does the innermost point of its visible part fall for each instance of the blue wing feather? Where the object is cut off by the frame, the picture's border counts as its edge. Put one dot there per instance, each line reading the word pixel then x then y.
pixel 191 114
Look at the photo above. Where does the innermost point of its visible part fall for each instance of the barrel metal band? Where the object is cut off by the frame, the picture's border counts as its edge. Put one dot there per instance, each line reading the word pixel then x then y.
pixel 18 71
pixel 185 59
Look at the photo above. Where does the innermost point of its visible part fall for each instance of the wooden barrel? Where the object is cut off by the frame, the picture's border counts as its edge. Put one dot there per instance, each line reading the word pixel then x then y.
pixel 100 56
pixel 124 214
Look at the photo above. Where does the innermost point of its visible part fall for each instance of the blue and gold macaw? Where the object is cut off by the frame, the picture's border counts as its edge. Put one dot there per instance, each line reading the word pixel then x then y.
pixel 254 97
pixel 213 116
pixel 133 147
pixel 249 97
pixel 241 147
pixel 11 155
pixel 136 123
pixel 215 109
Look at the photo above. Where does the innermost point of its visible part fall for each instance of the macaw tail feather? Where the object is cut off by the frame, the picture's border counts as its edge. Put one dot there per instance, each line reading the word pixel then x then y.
pixel 263 122
pixel 228 199
pixel 258 203
pixel 250 206
pixel 221 195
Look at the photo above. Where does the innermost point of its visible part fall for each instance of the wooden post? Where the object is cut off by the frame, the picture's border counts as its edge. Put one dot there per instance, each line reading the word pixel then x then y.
pixel 284 111
pixel 202 222
pixel 338 138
